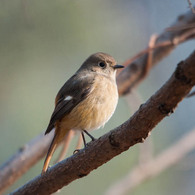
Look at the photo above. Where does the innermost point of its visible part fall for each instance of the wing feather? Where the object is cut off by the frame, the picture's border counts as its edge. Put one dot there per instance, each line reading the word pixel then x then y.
pixel 76 87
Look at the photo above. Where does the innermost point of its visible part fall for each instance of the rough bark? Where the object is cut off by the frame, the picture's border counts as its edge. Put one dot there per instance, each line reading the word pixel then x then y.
pixel 154 166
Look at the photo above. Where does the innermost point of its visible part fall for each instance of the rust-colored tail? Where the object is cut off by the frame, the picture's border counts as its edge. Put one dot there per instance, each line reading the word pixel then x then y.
pixel 50 152
pixel 66 142
pixel 58 137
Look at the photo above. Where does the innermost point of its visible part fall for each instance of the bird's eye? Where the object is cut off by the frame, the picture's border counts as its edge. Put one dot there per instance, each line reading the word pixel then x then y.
pixel 102 64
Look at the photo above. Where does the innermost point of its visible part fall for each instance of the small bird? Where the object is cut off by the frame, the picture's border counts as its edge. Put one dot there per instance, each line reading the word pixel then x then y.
pixel 86 101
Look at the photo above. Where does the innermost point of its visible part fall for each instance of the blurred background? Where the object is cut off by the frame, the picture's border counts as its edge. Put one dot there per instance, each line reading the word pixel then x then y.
pixel 42 43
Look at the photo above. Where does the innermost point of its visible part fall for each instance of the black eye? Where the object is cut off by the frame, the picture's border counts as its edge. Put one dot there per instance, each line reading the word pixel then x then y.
pixel 102 64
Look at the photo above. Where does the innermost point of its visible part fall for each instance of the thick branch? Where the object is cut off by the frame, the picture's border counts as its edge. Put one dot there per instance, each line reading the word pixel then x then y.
pixel 131 75
pixel 17 165
pixel 165 43
pixel 133 131
pixel 154 166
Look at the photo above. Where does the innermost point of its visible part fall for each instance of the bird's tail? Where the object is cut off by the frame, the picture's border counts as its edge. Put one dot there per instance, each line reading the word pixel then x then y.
pixel 58 137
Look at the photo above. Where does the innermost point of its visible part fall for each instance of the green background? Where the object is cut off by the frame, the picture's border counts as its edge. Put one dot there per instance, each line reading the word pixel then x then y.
pixel 42 43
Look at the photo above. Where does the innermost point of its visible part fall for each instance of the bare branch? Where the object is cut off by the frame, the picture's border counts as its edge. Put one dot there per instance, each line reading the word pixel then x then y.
pixel 155 166
pixel 133 131
pixel 191 94
pixel 25 158
pixel 175 28
pixel 165 43
pixel 191 7
pixel 148 65
pixel 126 80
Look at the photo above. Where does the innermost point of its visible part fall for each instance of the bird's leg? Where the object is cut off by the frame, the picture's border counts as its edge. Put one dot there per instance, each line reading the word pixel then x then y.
pixel 93 138
pixel 84 141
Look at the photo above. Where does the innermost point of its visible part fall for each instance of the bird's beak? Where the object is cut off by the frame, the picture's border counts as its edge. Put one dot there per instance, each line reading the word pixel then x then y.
pixel 118 66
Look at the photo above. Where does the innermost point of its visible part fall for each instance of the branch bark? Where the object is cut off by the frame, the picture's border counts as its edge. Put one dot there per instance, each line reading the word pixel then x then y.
pixel 129 77
pixel 191 7
pixel 165 43
pixel 26 157
pixel 133 131
pixel 154 166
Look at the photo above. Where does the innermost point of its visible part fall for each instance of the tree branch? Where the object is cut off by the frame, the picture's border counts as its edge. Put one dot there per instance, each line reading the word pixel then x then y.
pixel 191 7
pixel 191 94
pixel 153 167
pixel 165 43
pixel 129 77
pixel 26 157
pixel 133 131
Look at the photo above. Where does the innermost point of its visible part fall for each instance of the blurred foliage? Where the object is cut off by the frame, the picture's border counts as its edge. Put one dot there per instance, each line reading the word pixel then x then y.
pixel 42 45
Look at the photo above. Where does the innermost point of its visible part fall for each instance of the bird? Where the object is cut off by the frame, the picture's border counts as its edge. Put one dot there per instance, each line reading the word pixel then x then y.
pixel 85 102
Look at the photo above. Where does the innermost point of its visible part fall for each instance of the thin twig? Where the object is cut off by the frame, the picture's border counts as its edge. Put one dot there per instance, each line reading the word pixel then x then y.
pixel 145 51
pixel 151 46
pixel 191 7
pixel 165 43
pixel 149 60
pixel 191 94
pixel 179 28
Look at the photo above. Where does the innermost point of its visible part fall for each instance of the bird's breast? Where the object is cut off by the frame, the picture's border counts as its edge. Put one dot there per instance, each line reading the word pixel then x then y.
pixel 98 107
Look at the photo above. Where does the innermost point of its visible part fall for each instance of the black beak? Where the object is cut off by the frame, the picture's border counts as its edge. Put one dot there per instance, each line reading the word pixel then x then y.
pixel 118 66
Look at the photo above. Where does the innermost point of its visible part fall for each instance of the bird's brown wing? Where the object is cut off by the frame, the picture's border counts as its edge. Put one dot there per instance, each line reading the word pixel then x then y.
pixel 77 89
